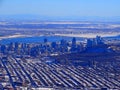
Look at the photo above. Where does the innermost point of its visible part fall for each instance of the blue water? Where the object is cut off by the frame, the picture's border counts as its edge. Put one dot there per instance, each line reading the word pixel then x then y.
pixel 113 37
pixel 37 39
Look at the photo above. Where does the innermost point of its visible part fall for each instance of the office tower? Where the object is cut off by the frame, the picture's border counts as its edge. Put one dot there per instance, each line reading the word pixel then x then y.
pixel 89 43
pixel 74 42
pixel 45 40
pixel 98 40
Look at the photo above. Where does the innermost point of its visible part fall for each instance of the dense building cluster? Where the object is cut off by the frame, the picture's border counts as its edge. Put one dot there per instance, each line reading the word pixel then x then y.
pixel 36 66
pixel 31 74
pixel 54 48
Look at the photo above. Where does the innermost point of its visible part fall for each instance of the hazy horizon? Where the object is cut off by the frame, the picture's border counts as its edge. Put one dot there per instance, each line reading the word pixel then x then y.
pixel 63 9
pixel 58 18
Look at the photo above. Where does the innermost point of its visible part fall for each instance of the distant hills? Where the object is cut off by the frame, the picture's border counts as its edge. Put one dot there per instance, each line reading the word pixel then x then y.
pixel 59 18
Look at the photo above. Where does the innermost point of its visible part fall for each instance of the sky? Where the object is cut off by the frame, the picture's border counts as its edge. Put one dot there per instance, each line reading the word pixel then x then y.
pixel 63 8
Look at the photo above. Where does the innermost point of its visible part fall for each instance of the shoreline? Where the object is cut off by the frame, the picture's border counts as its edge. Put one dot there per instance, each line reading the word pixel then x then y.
pixel 14 36
pixel 90 35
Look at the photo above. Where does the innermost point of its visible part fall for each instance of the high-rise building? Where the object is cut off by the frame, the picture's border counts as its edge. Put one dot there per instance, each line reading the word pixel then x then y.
pixel 89 43
pixel 74 42
pixel 98 40
pixel 45 40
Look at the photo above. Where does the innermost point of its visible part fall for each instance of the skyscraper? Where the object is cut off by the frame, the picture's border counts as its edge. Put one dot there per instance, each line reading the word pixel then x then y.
pixel 89 43
pixel 74 42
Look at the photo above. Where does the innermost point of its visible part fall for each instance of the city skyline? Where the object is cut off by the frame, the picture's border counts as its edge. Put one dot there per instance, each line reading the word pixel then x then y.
pixel 59 45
